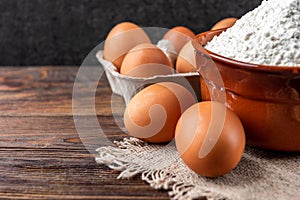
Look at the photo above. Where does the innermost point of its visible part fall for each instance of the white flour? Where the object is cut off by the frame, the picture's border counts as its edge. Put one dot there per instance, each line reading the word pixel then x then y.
pixel 268 35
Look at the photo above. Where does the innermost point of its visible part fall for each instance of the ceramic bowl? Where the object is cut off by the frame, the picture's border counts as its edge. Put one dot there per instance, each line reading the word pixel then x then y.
pixel 266 98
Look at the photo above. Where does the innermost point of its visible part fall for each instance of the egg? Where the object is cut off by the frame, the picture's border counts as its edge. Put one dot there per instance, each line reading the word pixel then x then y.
pixel 146 60
pixel 210 138
pixel 121 39
pixel 152 114
pixel 186 60
pixel 179 36
pixel 224 23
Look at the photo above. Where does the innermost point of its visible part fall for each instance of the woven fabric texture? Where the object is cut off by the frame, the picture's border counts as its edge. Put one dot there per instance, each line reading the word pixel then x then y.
pixel 259 175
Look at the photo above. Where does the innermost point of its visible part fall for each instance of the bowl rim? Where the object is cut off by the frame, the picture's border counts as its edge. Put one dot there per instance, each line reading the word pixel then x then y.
pixel 199 46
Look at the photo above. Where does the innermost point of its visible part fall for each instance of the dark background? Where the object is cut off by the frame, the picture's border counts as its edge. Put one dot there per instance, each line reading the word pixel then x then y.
pixel 63 32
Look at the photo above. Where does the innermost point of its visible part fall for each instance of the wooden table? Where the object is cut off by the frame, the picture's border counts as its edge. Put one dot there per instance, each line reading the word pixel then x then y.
pixel 41 155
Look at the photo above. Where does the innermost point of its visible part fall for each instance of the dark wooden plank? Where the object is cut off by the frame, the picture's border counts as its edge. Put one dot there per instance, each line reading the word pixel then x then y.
pixel 47 91
pixel 52 132
pixel 41 154
pixel 73 173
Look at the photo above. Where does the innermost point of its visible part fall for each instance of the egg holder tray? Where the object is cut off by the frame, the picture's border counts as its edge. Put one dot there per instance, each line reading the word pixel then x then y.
pixel 127 87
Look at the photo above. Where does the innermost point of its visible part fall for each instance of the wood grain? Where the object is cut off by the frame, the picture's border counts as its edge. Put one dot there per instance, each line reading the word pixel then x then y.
pixel 41 154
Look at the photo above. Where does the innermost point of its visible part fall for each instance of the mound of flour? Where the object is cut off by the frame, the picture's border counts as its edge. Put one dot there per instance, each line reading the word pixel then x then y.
pixel 268 35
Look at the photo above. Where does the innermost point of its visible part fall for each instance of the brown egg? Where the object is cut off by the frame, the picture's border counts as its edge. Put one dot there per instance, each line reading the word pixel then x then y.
pixel 225 23
pixel 152 114
pixel 146 60
pixel 121 39
pixel 186 60
pixel 210 139
pixel 179 36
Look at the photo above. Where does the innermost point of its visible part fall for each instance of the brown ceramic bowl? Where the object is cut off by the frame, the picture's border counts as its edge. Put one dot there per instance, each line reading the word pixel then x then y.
pixel 266 98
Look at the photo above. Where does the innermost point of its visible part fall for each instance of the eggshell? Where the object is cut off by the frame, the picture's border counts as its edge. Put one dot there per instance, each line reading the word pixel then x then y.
pixel 146 60
pixel 167 47
pixel 121 39
pixel 225 23
pixel 152 114
pixel 210 139
pixel 186 60
pixel 179 36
